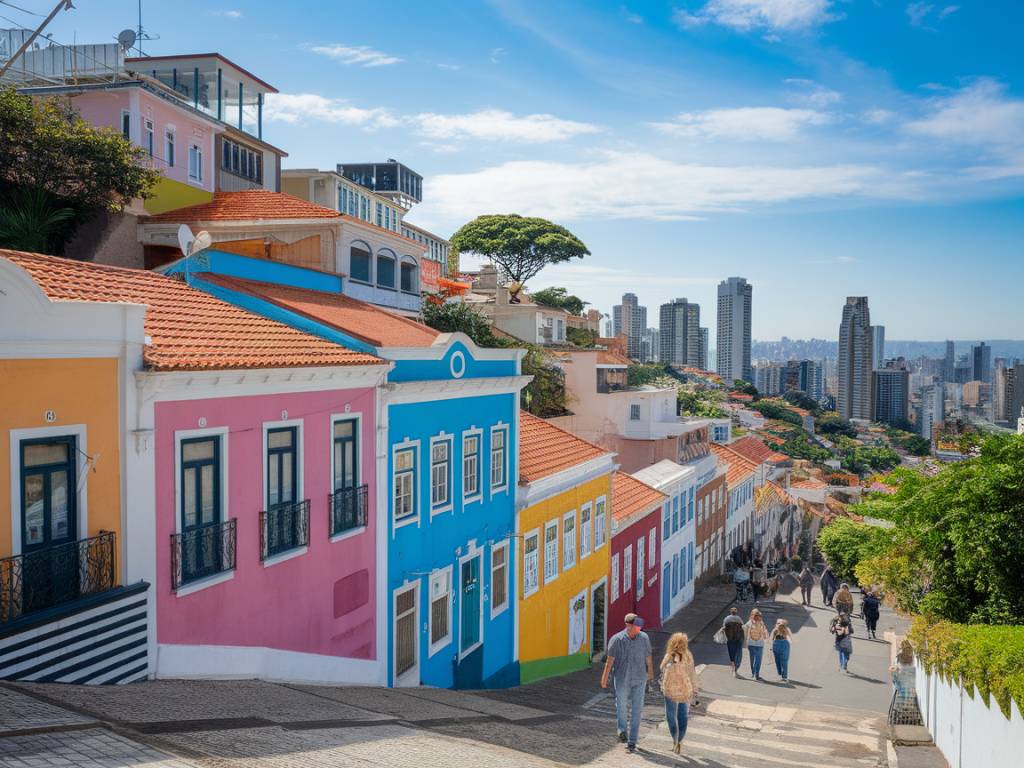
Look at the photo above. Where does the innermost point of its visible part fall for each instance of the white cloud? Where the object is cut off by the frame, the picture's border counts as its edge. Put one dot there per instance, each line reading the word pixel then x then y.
pixel 745 15
pixel 450 67
pixel 225 14
pixel 812 94
pixel 948 10
pixel 497 54
pixel 978 114
pixel 499 125
pixel 298 107
pixel 878 116
pixel 358 55
pixel 743 123
pixel 657 189
pixel 918 12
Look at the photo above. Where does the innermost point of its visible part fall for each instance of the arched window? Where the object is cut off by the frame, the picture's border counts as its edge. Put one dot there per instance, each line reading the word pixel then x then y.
pixel 410 276
pixel 386 269
pixel 359 262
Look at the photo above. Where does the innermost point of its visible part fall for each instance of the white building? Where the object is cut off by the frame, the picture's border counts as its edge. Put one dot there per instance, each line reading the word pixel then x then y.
pixel 735 297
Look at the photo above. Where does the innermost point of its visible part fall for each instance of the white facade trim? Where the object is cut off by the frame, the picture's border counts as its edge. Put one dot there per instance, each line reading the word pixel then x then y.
pixel 446 389
pixel 496 612
pixel 537 491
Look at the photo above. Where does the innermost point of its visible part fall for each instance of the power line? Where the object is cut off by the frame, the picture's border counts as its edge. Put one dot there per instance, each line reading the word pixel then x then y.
pixel 19 8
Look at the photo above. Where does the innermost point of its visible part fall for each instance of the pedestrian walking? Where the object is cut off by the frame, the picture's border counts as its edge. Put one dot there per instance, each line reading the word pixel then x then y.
pixel 630 667
pixel 756 635
pixel 842 629
pixel 679 686
pixel 829 585
pixel 872 605
pixel 806 579
pixel 780 648
pixel 843 600
pixel 733 630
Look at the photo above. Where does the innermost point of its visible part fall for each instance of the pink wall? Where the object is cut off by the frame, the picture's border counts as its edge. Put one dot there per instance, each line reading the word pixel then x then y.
pixel 322 601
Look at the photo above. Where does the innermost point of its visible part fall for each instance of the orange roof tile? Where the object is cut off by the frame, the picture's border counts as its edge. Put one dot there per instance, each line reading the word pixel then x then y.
pixel 606 357
pixel 364 321
pixel 189 329
pixel 545 449
pixel 246 205
pixel 737 467
pixel 810 483
pixel 756 451
pixel 630 496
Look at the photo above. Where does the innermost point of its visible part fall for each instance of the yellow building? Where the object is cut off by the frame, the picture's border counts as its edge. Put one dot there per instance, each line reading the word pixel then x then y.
pixel 563 524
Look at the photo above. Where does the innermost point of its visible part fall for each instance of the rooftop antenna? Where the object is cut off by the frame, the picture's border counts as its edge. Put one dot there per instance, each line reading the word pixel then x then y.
pixel 141 35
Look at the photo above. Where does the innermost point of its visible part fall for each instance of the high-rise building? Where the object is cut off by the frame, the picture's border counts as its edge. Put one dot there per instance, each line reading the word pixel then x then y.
pixel 930 409
pixel 651 347
pixel 892 392
pixel 1015 392
pixel 735 297
pixel 803 376
pixel 981 363
pixel 949 362
pixel 854 396
pixel 629 319
pixel 1000 384
pixel 877 346
pixel 679 326
pixel 768 378
pixel 702 358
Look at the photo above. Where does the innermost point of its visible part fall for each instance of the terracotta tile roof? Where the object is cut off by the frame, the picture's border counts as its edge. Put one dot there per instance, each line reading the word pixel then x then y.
pixel 630 496
pixel 756 451
pixel 246 205
pixel 189 329
pixel 606 357
pixel 356 318
pixel 737 468
pixel 811 483
pixel 545 449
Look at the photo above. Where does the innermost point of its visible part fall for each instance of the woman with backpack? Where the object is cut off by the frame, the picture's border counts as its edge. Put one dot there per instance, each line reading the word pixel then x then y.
pixel 844 600
pixel 757 636
pixel 679 686
pixel 842 629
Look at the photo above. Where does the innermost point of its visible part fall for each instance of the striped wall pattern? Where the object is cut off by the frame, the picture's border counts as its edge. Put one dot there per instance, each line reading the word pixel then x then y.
pixel 97 640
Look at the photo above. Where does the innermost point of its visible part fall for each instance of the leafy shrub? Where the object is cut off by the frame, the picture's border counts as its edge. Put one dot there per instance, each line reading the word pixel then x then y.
pixel 845 543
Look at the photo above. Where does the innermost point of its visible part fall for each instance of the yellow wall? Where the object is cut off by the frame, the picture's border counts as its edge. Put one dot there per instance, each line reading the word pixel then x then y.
pixel 78 391
pixel 544 615
pixel 169 195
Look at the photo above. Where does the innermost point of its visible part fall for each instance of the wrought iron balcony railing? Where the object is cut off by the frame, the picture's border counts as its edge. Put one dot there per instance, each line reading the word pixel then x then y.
pixel 202 551
pixel 348 509
pixel 283 528
pixel 44 578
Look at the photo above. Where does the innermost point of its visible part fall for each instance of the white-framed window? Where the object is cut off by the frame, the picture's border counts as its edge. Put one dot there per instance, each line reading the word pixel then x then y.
pixel 499 578
pixel 652 543
pixel 499 458
pixel 169 146
pixel 471 465
pixel 550 550
pixel 586 530
pixel 440 474
pixel 404 482
pixel 569 540
pixel 531 562
pixel 634 412
pixel 641 569
pixel 195 162
pixel 440 609
pixel 627 569
pixel 600 523
pixel 147 135
pixel 615 576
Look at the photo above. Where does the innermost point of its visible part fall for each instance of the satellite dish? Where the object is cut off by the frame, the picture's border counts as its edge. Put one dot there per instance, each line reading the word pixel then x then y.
pixel 202 242
pixel 126 39
pixel 191 244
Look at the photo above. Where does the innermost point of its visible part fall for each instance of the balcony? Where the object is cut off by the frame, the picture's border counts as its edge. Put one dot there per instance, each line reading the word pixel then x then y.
pixel 45 578
pixel 348 509
pixel 284 528
pixel 202 551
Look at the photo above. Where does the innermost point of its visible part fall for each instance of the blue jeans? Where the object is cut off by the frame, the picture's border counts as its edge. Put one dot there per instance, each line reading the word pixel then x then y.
pixel 631 695
pixel 844 657
pixel 780 650
pixel 735 652
pixel 678 714
pixel 756 653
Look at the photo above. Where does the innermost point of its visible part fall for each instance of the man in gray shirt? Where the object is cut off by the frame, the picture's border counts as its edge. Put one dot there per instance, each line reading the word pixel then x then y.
pixel 630 666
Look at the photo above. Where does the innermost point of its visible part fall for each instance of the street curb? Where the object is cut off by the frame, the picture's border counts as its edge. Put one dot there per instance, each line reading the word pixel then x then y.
pixel 890 754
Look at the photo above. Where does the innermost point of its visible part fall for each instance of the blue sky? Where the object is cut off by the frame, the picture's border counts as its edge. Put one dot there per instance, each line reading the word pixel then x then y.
pixel 818 148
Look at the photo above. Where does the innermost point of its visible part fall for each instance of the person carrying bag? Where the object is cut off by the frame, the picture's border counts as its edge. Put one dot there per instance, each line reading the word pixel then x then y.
pixel 679 686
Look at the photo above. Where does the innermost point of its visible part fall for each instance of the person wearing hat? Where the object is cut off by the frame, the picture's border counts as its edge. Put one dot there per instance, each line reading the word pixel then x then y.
pixel 629 665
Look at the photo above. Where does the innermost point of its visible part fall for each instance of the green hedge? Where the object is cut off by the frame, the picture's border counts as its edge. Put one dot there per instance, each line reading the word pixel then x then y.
pixel 986 656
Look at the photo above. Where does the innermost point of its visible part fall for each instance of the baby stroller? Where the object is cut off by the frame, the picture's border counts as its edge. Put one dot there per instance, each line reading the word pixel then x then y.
pixel 744 589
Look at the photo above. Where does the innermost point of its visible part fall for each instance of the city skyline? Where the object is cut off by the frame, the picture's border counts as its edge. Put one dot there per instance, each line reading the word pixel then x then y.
pixel 789 148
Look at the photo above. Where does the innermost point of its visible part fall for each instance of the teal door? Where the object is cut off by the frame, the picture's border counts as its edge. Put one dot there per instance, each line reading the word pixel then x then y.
pixel 471 599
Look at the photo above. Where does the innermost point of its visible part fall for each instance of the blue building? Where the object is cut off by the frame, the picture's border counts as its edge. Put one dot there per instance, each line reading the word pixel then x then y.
pixel 447 453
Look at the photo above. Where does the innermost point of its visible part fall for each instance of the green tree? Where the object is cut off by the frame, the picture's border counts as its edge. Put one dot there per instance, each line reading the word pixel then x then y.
pixel 845 543
pixel 545 395
pixel 739 385
pixel 560 298
pixel 700 401
pixel 834 424
pixel 802 400
pixel 457 316
pixel 639 374
pixel 31 219
pixel 581 337
pixel 519 246
pixel 773 410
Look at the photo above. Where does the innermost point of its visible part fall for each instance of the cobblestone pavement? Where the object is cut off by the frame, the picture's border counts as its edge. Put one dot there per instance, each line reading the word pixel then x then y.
pixel 91 748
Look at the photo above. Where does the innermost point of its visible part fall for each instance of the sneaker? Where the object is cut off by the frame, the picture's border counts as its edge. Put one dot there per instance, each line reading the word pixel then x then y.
pixel 631 748
pixel 622 736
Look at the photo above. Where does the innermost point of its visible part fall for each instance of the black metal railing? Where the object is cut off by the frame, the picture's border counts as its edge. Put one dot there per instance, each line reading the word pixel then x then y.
pixel 348 509
pixel 47 577
pixel 202 551
pixel 283 528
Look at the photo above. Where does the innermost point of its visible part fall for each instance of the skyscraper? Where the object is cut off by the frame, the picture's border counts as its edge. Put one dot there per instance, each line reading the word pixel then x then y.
pixel 803 376
pixel 854 398
pixel 981 363
pixel 949 363
pixel 679 333
pixel 629 319
pixel 735 297
pixel 892 392
pixel 702 359
pixel 877 346
pixel 930 411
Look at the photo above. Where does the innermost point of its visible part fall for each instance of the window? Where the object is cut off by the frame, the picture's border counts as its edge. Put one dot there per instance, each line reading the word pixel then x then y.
pixel 387 218
pixel 652 546
pixel 640 568
pixel 634 412
pixel 499 457
pixel 126 124
pixel 531 565
pixel 203 546
pixel 169 147
pixel 282 465
pixel 627 569
pixel 666 514
pixel 440 609
pixel 195 163
pixel 586 531
pixel 615 577
pixel 147 135
pixel 600 529
pixel 569 541
pixel 346 452
pixel 471 466
pixel 689 559
pixel 689 506
pixel 675 513
pixel 409 283
pixel 440 474
pixel 550 551
pixel 675 573
pixel 380 215
pixel 499 578
pixel 48 483
pixel 405 483
pixel 385 271
pixel 359 264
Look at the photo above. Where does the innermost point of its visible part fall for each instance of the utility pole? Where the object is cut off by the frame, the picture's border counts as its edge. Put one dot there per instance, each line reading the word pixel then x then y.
pixel 65 4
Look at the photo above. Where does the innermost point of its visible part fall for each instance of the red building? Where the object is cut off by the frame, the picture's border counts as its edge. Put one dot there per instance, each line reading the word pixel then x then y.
pixel 636 553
